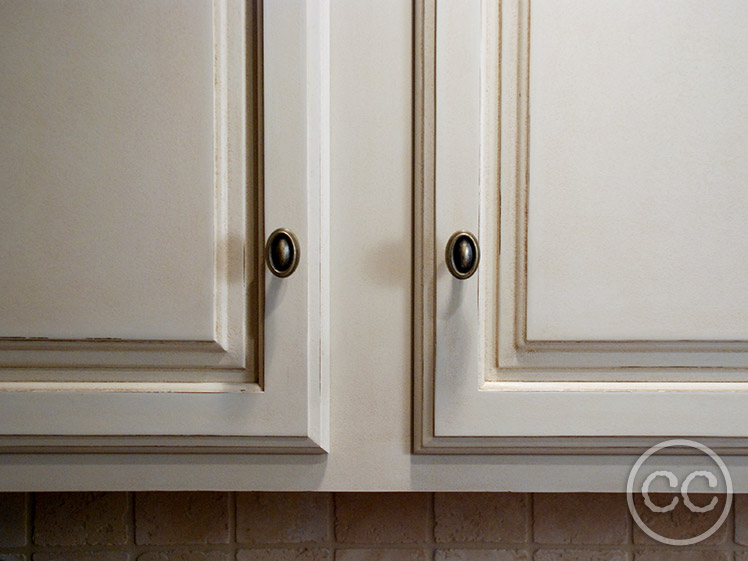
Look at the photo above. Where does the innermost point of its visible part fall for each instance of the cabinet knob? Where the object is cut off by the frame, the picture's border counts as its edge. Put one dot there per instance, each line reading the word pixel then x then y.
pixel 282 252
pixel 462 255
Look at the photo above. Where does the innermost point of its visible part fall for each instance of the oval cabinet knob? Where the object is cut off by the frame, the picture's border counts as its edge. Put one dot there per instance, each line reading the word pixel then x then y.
pixel 282 252
pixel 462 255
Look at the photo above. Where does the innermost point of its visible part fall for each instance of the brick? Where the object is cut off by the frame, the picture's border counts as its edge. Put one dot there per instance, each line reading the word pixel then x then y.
pixel 581 518
pixel 80 556
pixel 12 519
pixel 380 555
pixel 680 523
pixel 284 555
pixel 79 519
pixel 740 508
pixel 682 555
pixel 185 556
pixel 381 518
pixel 269 518
pixel 181 518
pixel 579 555
pixel 480 555
pixel 481 517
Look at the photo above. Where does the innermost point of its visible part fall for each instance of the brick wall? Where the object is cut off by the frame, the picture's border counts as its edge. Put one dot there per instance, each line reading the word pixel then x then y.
pixel 352 527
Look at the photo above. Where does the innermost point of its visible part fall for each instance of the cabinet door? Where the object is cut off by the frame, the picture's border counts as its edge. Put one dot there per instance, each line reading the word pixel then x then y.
pixel 597 150
pixel 146 151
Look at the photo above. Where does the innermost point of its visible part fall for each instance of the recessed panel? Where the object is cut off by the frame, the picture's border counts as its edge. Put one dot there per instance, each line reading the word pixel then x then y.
pixel 106 169
pixel 637 176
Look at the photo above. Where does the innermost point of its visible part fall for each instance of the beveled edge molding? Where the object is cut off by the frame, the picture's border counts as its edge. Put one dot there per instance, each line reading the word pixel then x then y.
pixel 569 445
pixel 198 444
pixel 424 299
pixel 424 280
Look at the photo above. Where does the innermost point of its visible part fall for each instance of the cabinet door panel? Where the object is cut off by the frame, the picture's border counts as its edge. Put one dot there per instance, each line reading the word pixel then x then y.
pixel 607 190
pixel 106 218
pixel 141 168
pixel 117 249
pixel 637 171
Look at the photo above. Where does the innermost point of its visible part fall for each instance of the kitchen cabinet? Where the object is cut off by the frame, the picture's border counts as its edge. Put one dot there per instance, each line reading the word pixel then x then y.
pixel 148 150
pixel 612 152
pixel 597 151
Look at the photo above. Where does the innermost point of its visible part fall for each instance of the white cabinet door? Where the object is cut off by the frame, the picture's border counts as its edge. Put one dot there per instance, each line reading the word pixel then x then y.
pixel 147 149
pixel 597 150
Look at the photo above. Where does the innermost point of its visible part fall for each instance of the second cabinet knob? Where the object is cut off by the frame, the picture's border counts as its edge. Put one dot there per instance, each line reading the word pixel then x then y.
pixel 462 255
pixel 282 252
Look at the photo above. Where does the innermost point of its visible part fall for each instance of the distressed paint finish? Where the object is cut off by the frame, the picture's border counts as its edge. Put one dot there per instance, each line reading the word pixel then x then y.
pixel 501 370
pixel 205 361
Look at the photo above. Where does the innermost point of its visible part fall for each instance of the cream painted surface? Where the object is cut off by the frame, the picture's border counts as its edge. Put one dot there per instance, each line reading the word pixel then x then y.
pixel 457 164
pixel 106 151
pixel 123 223
pixel 586 143
pixel 236 367
pixel 371 275
pixel 637 172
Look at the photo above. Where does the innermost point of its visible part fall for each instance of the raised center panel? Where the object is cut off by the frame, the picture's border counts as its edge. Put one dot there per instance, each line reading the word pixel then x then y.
pixel 107 184
pixel 130 221
pixel 637 175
